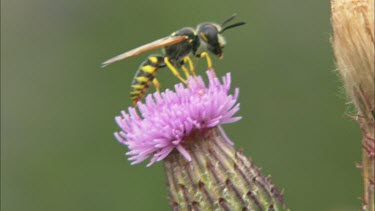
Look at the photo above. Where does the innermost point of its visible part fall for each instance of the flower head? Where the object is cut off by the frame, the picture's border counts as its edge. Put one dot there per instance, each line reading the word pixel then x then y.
pixel 166 119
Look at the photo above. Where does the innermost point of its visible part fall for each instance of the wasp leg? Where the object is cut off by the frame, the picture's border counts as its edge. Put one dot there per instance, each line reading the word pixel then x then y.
pixel 186 71
pixel 191 66
pixel 183 67
pixel 156 84
pixel 205 54
pixel 173 69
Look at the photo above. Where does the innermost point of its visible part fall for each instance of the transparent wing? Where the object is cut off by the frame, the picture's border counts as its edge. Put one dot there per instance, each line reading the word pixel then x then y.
pixel 170 40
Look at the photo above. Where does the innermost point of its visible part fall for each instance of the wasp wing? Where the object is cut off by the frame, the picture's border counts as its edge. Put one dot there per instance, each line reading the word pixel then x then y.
pixel 170 40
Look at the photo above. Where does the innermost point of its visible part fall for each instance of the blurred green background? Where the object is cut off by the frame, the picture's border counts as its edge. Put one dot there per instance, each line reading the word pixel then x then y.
pixel 58 106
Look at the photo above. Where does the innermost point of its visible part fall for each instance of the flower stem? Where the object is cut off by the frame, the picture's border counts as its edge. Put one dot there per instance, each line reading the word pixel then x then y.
pixel 368 177
pixel 218 177
pixel 368 164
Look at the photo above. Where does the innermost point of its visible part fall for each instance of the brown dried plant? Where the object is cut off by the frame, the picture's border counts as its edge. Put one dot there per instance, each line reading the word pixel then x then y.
pixel 353 45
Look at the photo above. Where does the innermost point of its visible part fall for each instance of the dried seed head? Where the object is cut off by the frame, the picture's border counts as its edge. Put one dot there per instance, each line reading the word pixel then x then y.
pixel 353 45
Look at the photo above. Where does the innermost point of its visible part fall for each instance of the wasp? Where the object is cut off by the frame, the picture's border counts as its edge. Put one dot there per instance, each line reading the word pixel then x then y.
pixel 177 48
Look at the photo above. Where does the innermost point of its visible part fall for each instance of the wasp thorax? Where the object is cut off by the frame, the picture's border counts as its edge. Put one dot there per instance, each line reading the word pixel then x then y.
pixel 179 50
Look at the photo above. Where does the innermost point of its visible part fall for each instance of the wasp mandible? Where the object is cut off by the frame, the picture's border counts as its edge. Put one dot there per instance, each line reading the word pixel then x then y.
pixel 177 48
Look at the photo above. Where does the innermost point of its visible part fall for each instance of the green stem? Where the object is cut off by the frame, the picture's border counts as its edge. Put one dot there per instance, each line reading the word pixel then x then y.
pixel 218 177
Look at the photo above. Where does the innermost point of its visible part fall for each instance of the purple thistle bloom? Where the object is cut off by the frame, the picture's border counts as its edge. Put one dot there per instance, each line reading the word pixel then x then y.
pixel 168 118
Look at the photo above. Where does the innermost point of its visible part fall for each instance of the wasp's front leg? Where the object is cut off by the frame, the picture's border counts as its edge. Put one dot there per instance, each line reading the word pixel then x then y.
pixel 205 54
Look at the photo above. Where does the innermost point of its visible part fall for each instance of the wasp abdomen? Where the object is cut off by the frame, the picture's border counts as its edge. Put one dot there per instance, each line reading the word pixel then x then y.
pixel 144 77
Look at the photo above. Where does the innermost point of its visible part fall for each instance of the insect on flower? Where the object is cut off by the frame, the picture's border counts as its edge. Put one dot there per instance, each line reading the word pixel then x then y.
pixel 177 48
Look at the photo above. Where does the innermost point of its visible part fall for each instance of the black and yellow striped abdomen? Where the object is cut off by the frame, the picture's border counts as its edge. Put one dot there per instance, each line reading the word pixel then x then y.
pixel 144 77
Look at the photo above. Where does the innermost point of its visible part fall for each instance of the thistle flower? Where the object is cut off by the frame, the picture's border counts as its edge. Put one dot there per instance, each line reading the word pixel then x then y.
pixel 353 45
pixel 203 170
pixel 168 118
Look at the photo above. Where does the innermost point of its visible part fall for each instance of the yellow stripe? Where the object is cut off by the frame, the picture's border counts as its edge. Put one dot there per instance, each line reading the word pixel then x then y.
pixel 141 79
pixel 203 36
pixel 135 92
pixel 138 86
pixel 153 59
pixel 148 69
pixel 134 98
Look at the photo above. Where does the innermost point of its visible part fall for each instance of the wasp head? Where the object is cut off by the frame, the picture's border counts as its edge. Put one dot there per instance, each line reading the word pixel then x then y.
pixel 210 35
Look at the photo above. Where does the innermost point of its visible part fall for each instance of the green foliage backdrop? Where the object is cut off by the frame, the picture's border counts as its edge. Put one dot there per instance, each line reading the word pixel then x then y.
pixel 58 106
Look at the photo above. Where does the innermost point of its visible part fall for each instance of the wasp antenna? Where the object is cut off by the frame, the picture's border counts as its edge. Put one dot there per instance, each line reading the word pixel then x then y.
pixel 232 26
pixel 229 19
